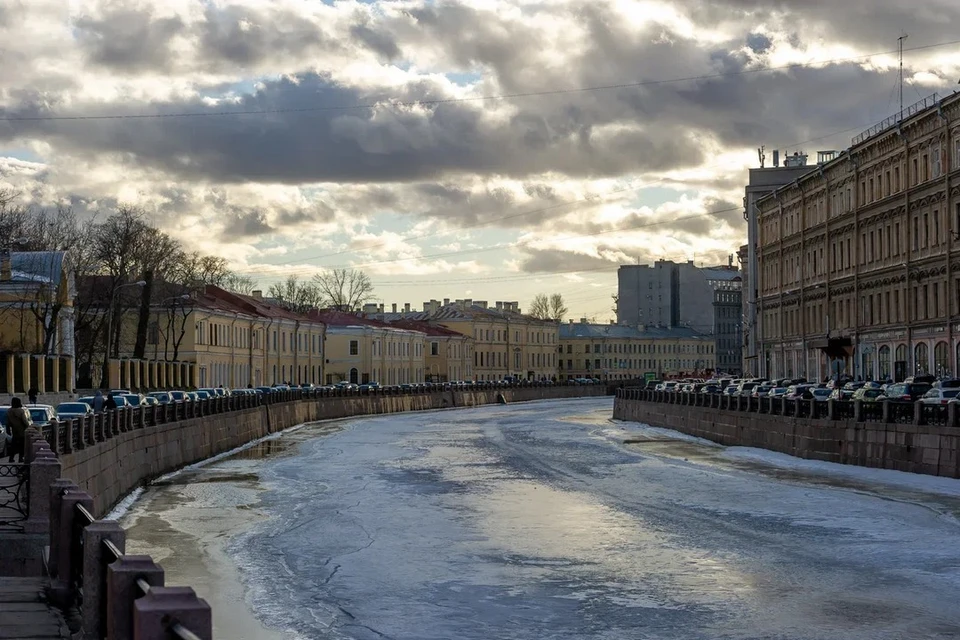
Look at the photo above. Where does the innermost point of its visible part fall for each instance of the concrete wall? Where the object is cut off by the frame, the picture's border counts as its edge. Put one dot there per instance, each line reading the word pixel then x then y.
pixel 110 469
pixel 931 450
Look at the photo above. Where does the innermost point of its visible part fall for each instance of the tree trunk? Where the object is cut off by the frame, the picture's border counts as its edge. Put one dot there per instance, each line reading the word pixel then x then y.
pixel 143 321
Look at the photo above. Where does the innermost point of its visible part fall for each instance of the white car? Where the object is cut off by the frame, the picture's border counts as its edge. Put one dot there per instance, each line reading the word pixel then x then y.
pixel 939 396
pixel 40 414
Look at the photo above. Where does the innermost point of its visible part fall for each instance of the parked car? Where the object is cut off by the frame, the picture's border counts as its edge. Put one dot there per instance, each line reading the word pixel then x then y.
pixel 135 399
pixel 762 389
pixel 939 396
pixel 777 392
pixel 712 389
pixel 161 397
pixel 820 394
pixel 179 396
pixel 950 383
pixel 192 396
pixel 868 394
pixel 730 390
pixel 40 414
pixel 906 391
pixel 746 388
pixel 150 401
pixel 799 392
pixel 70 410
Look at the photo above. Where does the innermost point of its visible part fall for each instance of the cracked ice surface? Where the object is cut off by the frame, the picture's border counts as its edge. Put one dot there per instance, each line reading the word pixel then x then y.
pixel 532 522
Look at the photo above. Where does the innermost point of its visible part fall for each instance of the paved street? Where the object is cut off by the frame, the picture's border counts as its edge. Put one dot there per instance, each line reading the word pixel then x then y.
pixel 534 521
pixel 24 615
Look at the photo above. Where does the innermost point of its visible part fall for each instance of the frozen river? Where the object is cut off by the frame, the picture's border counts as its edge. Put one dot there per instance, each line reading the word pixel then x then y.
pixel 534 522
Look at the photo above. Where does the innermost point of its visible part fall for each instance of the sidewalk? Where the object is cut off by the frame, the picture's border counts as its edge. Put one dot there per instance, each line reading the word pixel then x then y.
pixel 25 614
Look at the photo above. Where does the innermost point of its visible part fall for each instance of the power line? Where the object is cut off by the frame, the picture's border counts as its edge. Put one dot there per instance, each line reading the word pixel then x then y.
pixel 443 101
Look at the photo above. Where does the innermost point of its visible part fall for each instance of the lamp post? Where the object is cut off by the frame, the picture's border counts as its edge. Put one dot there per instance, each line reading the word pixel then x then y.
pixel 105 373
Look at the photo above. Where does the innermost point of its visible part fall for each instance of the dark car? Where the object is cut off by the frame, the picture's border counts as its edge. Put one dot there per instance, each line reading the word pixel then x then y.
pixel 906 391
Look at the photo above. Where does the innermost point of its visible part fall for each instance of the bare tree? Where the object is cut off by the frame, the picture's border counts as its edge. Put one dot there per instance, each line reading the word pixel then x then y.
pixel 345 289
pixel 296 295
pixel 540 307
pixel 557 307
pixel 244 285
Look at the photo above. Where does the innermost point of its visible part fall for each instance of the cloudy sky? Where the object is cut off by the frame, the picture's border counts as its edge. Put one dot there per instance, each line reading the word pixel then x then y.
pixel 490 149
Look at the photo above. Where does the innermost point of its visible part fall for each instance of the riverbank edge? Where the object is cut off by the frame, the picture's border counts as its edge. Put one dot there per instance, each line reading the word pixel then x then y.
pixel 111 469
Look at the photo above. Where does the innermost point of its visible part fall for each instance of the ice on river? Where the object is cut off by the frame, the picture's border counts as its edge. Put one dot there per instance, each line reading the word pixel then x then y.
pixel 534 521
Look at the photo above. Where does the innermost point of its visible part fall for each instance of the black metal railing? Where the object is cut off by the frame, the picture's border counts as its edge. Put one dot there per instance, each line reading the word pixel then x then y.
pixel 893 411
pixel 14 496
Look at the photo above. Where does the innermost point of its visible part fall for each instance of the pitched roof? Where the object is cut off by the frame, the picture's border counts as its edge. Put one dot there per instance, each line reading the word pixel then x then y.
pixel 428 328
pixel 453 312
pixel 346 319
pixel 255 306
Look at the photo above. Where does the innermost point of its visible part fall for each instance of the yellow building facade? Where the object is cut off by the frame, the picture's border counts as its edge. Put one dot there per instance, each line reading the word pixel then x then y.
pixel 230 340
pixel 613 352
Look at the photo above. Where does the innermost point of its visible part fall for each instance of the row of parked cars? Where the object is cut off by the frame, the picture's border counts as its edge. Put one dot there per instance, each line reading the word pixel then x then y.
pixel 926 389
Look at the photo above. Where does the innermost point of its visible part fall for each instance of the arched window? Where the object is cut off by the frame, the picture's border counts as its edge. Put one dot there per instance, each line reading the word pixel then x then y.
pixel 883 359
pixel 941 359
pixel 354 376
pixel 921 358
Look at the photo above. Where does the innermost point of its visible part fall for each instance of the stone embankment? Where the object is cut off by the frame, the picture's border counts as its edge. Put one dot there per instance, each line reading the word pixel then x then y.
pixel 110 461
pixel 888 435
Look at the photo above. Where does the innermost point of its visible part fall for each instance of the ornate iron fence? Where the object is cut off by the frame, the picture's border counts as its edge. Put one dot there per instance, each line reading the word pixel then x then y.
pixel 14 496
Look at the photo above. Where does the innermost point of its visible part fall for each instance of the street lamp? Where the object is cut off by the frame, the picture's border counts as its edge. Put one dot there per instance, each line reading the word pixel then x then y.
pixel 105 374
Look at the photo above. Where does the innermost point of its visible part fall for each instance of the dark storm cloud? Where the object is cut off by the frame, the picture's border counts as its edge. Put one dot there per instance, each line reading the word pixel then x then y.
pixel 242 35
pixel 559 260
pixel 872 23
pixel 128 40
pixel 240 224
pixel 759 43
pixel 381 42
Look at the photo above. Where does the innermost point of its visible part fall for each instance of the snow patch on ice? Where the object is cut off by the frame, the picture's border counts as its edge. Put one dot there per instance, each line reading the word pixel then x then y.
pixel 620 431
pixel 124 505
pixel 914 481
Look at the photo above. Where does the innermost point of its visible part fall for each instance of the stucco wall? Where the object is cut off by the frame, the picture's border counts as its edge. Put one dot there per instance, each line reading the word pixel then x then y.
pixel 931 450
pixel 108 470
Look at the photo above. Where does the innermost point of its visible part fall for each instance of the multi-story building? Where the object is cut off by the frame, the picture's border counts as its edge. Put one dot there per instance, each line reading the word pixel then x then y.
pixel 37 292
pixel 360 350
pixel 856 268
pixel 671 294
pixel 762 181
pixel 506 343
pixel 727 332
pixel 228 339
pixel 617 352
pixel 448 354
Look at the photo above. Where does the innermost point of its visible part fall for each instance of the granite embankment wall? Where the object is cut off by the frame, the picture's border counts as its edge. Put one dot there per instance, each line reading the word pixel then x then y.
pixel 903 446
pixel 111 468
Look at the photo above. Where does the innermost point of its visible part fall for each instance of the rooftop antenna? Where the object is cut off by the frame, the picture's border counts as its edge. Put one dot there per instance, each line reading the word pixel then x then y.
pixel 900 41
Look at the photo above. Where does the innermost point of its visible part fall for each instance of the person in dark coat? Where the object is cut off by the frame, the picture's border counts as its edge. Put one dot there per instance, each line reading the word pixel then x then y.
pixel 32 394
pixel 110 403
pixel 17 422
pixel 98 401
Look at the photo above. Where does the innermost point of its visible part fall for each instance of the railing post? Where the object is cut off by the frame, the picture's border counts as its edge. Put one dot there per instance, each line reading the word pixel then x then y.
pixel 918 417
pixel 122 591
pixel 95 561
pixel 68 502
pixel 55 443
pixel 57 489
pixel 44 472
pixel 153 613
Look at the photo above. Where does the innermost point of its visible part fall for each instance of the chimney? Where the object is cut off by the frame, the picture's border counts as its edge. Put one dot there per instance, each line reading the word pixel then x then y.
pixel 381 307
pixel 570 321
pixel 6 271
pixel 446 301
pixel 499 306
pixel 406 308
pixel 394 307
pixel 257 294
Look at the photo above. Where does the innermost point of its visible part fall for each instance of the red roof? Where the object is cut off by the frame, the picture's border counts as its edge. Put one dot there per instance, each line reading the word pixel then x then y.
pixel 251 305
pixel 428 328
pixel 344 319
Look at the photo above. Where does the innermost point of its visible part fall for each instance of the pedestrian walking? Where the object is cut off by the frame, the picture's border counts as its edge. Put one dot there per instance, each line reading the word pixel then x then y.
pixel 32 394
pixel 110 403
pixel 98 401
pixel 17 422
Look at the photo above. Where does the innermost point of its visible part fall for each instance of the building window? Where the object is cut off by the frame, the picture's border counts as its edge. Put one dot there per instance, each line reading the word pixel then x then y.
pixel 941 362
pixel 354 347
pixel 434 348
pixel 884 362
pixel 937 166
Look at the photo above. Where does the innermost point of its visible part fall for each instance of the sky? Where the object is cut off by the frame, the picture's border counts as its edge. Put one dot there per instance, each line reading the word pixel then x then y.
pixel 484 149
